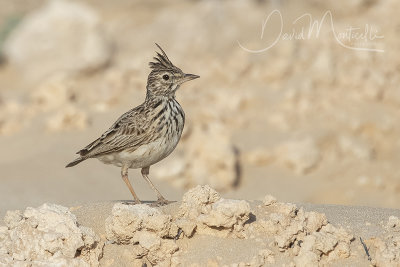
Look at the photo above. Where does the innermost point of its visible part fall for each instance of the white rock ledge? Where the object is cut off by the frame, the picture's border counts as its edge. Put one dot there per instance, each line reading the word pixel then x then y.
pixel 202 229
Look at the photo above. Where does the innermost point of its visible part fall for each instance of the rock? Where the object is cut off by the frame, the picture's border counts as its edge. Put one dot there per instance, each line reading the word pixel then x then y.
pixel 227 213
pixel 386 251
pixel 393 223
pixel 269 200
pixel 53 92
pixel 198 198
pixel 56 96
pixel 68 118
pixel 187 226
pixel 279 120
pixel 12 117
pixel 315 221
pixel 127 220
pixel 300 155
pixel 216 159
pixel 115 82
pixel 48 235
pixel 92 250
pixel 355 147
pixel 325 242
pixel 212 214
pixel 60 36
pixel 222 111
pixel 13 218
pixel 146 226
pixel 307 235
pixel 258 157
pixel 174 172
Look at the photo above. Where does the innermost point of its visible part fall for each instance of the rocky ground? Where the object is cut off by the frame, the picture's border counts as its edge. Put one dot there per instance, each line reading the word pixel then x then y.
pixel 313 119
pixel 203 229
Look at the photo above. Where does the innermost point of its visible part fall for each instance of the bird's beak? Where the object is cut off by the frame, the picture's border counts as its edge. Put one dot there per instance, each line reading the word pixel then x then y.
pixel 188 77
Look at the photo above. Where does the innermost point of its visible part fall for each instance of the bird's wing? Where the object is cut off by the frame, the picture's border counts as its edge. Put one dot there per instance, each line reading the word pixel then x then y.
pixel 128 131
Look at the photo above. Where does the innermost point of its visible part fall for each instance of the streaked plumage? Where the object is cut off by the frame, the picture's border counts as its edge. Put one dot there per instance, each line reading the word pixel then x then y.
pixel 147 133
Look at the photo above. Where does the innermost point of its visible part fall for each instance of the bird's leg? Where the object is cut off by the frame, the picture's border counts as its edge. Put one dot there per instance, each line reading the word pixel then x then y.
pixel 124 174
pixel 160 199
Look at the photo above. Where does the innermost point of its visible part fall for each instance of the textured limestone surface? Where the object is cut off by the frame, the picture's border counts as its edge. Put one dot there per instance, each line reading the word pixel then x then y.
pixel 47 235
pixel 202 229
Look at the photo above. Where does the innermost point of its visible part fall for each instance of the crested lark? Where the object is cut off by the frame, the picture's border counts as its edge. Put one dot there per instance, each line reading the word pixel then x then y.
pixel 148 133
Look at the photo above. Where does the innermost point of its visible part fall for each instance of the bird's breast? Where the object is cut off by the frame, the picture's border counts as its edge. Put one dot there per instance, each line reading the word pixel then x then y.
pixel 164 137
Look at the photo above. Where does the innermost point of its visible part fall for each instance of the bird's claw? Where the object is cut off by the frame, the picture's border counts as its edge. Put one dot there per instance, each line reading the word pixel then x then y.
pixel 160 202
pixel 135 202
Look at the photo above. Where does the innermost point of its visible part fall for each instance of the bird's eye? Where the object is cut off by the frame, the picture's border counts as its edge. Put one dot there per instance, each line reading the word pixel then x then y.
pixel 165 77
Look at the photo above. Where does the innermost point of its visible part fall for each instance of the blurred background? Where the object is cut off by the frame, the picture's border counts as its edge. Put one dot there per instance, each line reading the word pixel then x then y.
pixel 307 114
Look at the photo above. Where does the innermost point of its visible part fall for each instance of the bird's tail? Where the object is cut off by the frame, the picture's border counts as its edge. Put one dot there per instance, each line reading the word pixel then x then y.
pixel 76 161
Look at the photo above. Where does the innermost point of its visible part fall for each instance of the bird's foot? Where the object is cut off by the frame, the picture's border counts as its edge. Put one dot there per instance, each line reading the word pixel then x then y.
pixel 160 202
pixel 135 202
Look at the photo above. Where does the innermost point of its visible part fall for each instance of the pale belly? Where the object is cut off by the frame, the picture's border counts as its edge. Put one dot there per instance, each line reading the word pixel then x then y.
pixel 144 156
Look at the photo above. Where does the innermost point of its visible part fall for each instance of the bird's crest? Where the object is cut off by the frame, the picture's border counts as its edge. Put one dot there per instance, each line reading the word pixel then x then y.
pixel 162 61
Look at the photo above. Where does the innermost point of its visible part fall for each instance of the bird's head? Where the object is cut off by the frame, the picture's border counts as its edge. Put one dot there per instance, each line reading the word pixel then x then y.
pixel 165 78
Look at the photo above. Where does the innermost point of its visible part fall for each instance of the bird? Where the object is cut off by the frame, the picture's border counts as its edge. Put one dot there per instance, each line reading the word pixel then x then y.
pixel 147 133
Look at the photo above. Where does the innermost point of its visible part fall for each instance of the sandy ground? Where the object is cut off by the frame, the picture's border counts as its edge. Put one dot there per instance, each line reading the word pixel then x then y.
pixel 307 121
